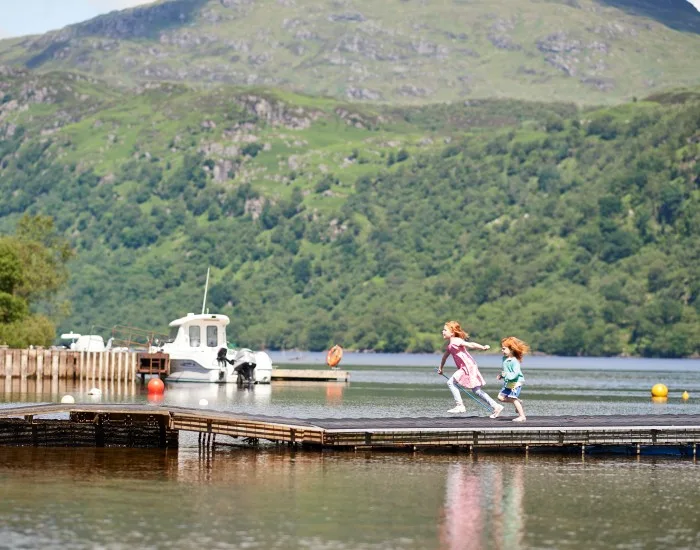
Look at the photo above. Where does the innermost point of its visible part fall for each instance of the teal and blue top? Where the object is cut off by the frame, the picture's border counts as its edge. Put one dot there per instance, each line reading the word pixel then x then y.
pixel 511 372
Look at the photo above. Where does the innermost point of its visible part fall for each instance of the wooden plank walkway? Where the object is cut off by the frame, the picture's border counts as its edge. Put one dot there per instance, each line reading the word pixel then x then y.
pixel 468 432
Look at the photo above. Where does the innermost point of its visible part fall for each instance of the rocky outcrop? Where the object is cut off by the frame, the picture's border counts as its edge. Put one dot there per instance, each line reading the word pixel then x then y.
pixel 362 94
pixel 278 113
pixel 346 17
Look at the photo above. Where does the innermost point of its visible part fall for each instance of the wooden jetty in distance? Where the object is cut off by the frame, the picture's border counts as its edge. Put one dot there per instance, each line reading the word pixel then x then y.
pixel 126 425
pixel 311 375
pixel 55 364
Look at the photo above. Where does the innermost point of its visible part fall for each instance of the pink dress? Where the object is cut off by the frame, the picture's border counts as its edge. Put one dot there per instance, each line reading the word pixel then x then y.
pixel 469 375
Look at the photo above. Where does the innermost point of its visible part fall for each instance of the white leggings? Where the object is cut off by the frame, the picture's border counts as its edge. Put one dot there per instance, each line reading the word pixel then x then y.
pixel 481 394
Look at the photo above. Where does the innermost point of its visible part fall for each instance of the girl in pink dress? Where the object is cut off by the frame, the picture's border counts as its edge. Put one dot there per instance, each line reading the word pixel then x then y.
pixel 467 374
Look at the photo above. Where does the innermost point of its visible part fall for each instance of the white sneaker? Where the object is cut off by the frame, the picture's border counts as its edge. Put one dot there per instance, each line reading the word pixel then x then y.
pixel 458 409
pixel 497 411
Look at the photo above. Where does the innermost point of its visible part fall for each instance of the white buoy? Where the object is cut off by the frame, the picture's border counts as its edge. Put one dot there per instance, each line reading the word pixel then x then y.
pixel 67 399
pixel 203 402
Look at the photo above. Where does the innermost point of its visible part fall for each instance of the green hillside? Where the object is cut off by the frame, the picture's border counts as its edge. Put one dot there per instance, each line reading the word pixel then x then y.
pixel 393 51
pixel 323 221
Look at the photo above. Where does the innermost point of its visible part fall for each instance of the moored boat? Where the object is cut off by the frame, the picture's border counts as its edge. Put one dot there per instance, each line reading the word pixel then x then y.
pixel 199 352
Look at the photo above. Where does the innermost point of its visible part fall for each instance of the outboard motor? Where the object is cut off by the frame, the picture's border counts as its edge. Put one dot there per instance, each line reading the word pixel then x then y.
pixel 244 366
pixel 222 361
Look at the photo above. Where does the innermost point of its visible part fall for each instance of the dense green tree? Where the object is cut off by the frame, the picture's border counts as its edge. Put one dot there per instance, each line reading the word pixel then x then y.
pixel 32 270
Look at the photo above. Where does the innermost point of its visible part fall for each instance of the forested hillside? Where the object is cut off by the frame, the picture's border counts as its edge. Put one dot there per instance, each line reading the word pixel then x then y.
pixel 392 51
pixel 324 222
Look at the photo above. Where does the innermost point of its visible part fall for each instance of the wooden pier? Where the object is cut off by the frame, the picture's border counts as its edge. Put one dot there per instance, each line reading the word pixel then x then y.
pixel 157 426
pixel 55 364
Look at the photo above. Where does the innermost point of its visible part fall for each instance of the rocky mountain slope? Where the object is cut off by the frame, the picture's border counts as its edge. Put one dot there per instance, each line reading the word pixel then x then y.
pixel 397 51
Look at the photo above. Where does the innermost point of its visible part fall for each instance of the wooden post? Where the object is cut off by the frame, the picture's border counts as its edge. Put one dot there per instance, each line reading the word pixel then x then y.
pixel 133 371
pixel 8 364
pixel 40 372
pixel 62 361
pixel 23 364
pixel 120 362
pixel 16 362
pixel 54 366
pixel 100 372
pixel 72 365
pixel 8 372
pixel 91 381
pixel 40 366
pixel 23 368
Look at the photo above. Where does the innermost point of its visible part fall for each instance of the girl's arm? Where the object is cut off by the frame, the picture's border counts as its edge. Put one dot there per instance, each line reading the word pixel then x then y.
pixel 474 345
pixel 442 363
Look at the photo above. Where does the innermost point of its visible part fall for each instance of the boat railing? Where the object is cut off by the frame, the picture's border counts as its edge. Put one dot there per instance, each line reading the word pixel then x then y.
pixel 133 338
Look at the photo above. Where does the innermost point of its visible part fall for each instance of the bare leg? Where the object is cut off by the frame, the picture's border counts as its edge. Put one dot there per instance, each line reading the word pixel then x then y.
pixel 521 412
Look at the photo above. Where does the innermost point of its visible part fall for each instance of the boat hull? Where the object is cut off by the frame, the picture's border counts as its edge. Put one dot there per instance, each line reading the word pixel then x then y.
pixel 190 370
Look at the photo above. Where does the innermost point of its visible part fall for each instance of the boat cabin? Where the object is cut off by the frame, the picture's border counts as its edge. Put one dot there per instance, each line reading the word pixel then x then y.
pixel 205 331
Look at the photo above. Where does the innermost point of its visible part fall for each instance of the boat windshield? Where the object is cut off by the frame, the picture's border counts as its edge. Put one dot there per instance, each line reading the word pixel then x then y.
pixel 172 334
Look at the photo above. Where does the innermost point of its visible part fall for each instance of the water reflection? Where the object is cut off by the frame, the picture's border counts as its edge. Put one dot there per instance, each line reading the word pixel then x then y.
pixel 247 397
pixel 279 498
pixel 483 507
pixel 334 393
pixel 33 390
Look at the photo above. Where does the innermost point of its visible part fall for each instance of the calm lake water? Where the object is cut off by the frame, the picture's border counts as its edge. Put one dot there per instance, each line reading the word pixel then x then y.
pixel 239 497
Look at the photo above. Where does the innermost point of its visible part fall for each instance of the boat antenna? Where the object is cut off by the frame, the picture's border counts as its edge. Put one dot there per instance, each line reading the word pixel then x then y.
pixel 206 286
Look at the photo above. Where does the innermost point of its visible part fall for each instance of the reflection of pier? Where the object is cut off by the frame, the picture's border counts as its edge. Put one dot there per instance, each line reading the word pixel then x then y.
pixel 23 425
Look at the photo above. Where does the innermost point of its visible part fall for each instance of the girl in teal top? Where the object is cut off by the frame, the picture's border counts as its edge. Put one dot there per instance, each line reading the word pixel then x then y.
pixel 513 350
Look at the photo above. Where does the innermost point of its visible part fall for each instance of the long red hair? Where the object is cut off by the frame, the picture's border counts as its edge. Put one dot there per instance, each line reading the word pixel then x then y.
pixel 517 346
pixel 454 328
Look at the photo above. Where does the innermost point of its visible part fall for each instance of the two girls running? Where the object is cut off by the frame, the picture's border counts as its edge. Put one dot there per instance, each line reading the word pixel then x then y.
pixel 468 376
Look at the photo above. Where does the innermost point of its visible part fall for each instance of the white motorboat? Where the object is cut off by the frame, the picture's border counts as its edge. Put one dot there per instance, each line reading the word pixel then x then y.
pixel 198 352
pixel 83 342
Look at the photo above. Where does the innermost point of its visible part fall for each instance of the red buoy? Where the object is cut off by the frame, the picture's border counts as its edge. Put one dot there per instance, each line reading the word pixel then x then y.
pixel 155 385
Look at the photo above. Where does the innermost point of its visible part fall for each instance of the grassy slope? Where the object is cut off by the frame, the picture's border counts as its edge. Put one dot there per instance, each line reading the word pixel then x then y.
pixel 582 51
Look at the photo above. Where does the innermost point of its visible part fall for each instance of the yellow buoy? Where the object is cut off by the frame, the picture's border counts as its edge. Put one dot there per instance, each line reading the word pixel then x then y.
pixel 685 396
pixel 659 390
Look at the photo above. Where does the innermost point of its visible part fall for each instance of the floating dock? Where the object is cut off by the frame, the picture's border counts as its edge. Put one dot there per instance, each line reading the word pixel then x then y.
pixel 126 425
pixel 311 375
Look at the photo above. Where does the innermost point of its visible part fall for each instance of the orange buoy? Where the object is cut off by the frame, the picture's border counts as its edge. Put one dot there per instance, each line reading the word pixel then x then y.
pixel 334 355
pixel 155 385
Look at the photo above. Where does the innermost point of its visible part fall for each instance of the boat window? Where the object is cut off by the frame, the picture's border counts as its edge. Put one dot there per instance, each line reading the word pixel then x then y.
pixel 212 336
pixel 195 336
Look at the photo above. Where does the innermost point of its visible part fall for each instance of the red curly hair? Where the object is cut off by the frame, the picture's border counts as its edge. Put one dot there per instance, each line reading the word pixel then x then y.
pixel 454 328
pixel 517 346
